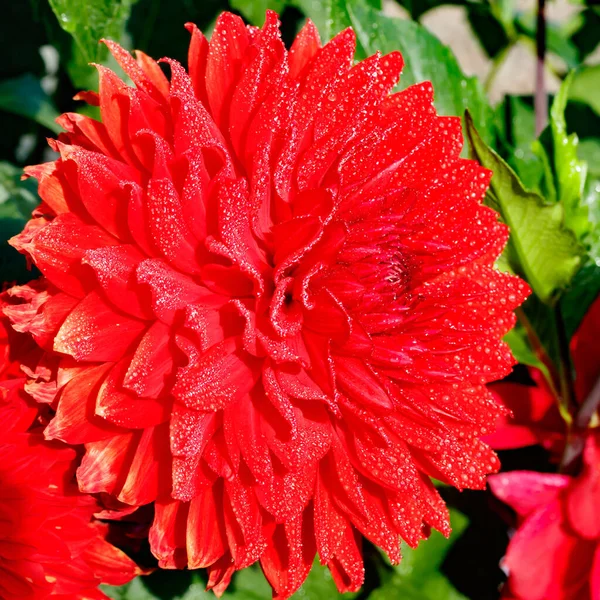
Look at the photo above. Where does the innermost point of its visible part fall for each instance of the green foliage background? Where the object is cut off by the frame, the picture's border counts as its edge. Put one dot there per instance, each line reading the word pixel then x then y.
pixel 546 189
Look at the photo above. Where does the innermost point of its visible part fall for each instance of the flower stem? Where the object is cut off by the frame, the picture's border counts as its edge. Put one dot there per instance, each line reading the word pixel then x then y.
pixel 589 407
pixel 567 386
pixel 550 372
pixel 582 413
pixel 583 417
pixel 541 98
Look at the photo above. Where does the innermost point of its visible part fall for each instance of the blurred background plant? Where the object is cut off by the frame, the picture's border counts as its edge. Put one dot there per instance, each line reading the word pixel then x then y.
pixel 498 59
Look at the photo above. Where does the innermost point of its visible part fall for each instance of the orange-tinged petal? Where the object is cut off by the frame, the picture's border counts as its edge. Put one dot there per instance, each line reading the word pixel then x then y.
pixel 94 331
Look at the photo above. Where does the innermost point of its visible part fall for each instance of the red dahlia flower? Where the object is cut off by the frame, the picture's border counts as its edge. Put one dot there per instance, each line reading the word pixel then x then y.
pixel 50 545
pixel 273 297
pixel 555 553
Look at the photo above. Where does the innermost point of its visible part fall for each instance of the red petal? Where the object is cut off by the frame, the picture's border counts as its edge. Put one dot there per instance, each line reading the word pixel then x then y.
pixel 101 466
pixel 167 226
pixel 171 290
pixel 219 575
pixel 197 54
pixel 361 384
pixel 89 96
pixel 235 232
pixel 243 524
pixel 95 332
pixel 58 248
pixel 151 363
pixel 110 565
pixel 205 537
pixel 41 312
pixel 347 567
pixel 53 188
pixel 258 76
pixel 328 66
pixel 535 416
pixel 115 269
pixel 148 473
pixel 344 112
pixel 217 379
pixel 289 555
pixel 247 429
pixel 304 49
pixel 167 534
pixel 114 108
pixel 87 133
pixel 75 421
pixel 585 356
pixel 411 114
pixel 153 72
pixel 227 47
pixel 509 436
pixel 544 562
pixel 125 409
pixel 524 491
pixel 595 577
pixel 156 86
pixel 101 181
pixel 583 497
pixel 194 129
pixel 330 522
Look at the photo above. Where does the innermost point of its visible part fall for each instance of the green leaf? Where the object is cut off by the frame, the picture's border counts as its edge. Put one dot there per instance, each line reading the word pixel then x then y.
pixel 417 8
pixel 585 286
pixel 546 186
pixel 320 585
pixel 17 200
pixel 584 289
pixel 519 344
pixel 254 10
pixel 162 585
pixel 488 27
pixel 516 119
pixel 589 150
pixel 331 17
pixel 24 96
pixel 418 575
pixel 516 338
pixel 540 248
pixel 570 171
pixel 585 86
pixel 586 37
pixel 88 21
pixel 247 584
